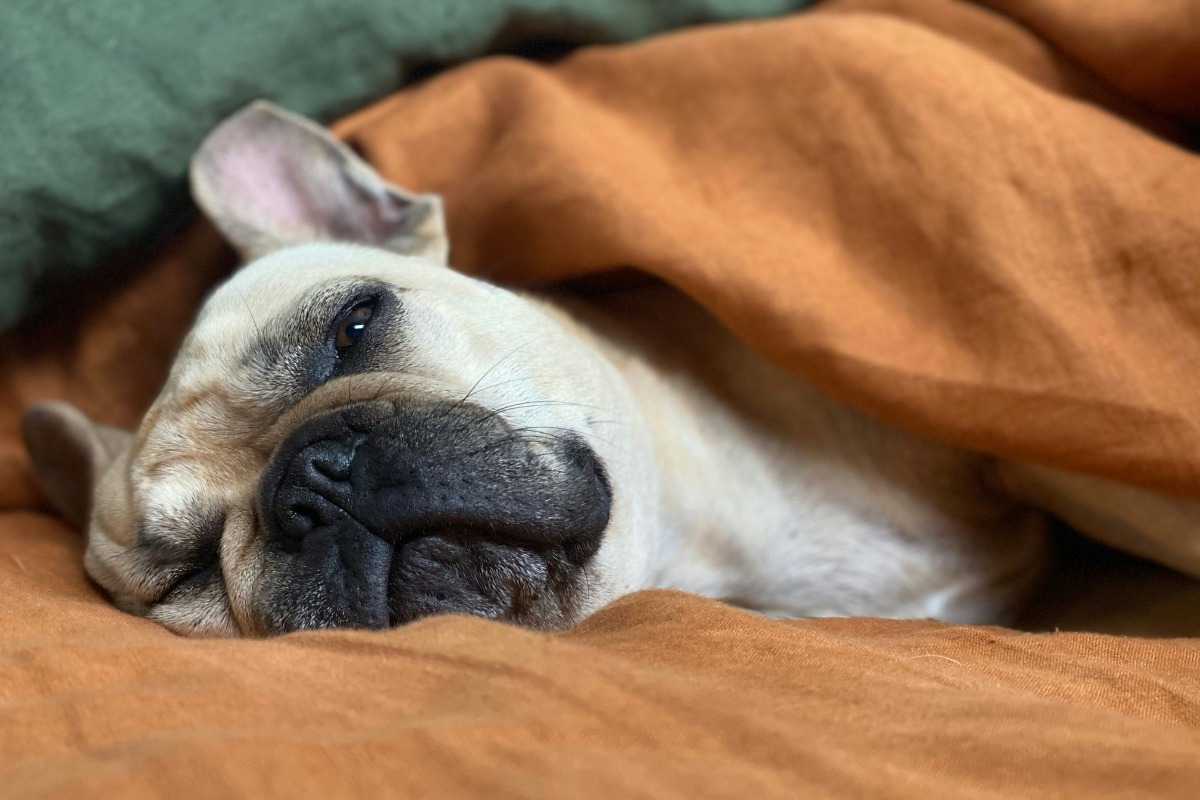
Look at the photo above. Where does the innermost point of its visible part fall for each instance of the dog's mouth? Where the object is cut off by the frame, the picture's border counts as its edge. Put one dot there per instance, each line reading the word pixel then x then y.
pixel 379 513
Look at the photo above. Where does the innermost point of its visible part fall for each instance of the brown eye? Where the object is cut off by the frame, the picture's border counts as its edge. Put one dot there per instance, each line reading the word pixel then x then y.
pixel 350 327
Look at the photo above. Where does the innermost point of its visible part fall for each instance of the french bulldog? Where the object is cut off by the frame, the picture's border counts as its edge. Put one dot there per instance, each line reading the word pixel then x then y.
pixel 355 435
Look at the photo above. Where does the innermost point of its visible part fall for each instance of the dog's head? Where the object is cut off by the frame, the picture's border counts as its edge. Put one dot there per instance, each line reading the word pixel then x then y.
pixel 352 434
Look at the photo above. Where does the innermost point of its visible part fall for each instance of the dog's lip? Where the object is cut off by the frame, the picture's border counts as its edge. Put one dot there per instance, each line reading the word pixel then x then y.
pixel 504 598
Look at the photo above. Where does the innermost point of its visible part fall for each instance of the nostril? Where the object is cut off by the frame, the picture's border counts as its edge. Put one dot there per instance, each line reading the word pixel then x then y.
pixel 300 519
pixel 307 515
pixel 299 511
pixel 335 468
pixel 330 460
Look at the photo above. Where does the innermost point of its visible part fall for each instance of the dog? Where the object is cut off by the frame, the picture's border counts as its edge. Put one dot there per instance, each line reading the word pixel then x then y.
pixel 354 435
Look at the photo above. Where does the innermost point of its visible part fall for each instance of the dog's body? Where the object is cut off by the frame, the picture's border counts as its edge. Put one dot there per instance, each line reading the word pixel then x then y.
pixel 774 497
pixel 357 437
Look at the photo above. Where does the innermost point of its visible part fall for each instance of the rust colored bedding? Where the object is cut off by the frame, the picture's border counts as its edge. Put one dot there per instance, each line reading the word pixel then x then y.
pixel 979 221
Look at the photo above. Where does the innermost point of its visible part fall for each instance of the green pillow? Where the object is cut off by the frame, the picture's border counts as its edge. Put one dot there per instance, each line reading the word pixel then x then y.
pixel 103 101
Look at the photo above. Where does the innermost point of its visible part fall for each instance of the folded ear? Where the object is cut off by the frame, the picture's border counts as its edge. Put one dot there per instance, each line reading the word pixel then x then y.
pixel 70 454
pixel 269 179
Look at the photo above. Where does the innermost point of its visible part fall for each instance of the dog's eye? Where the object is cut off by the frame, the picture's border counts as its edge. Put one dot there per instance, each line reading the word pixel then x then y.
pixel 187 581
pixel 351 326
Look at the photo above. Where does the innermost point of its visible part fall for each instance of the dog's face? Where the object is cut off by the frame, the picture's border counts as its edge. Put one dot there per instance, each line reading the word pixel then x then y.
pixel 352 436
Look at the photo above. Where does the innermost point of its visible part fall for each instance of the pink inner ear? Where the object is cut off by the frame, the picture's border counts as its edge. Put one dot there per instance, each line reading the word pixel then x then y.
pixel 269 179
pixel 257 180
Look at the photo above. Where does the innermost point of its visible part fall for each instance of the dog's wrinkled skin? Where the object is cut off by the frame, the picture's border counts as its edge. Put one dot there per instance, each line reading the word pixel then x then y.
pixel 518 457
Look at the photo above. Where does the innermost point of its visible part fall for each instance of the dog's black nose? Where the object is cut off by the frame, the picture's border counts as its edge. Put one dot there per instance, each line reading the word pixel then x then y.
pixel 306 496
pixel 381 512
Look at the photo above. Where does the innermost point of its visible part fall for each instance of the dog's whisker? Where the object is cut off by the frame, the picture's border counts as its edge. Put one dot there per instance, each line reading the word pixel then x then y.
pixel 249 311
pixel 571 431
pixel 479 380
pixel 587 588
pixel 530 404
pixel 491 386
pixel 493 368
pixel 492 446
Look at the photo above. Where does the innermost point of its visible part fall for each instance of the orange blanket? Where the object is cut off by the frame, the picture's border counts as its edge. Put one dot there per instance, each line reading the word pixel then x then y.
pixel 981 226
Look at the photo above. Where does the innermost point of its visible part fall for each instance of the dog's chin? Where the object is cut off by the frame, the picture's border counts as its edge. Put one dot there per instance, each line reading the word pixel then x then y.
pixel 377 514
pixel 468 573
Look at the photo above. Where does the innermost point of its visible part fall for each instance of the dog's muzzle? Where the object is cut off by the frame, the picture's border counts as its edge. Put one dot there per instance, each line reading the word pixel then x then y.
pixel 378 513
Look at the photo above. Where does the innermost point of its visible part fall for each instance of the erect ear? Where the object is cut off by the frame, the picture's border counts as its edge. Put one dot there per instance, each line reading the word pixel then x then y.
pixel 269 179
pixel 70 454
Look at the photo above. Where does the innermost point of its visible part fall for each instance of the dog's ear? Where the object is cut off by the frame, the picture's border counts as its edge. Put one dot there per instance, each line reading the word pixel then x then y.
pixel 70 454
pixel 269 179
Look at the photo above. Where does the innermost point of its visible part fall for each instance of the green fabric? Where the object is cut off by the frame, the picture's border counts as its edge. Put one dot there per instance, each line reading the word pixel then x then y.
pixel 103 101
